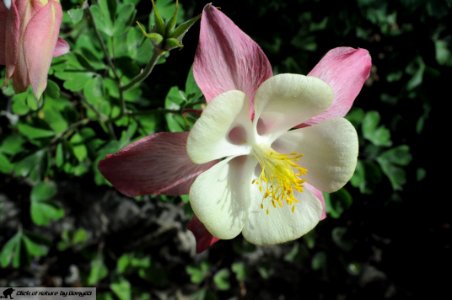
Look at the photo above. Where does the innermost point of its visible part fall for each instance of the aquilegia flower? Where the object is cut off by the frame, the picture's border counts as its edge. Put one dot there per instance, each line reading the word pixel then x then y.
pixel 264 148
pixel 28 40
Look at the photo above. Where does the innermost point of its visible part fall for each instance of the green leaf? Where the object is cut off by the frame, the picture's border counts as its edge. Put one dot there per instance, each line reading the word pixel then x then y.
pixel 10 253
pixel 359 177
pixel 72 239
pixel 43 211
pixel 75 81
pixel 394 76
pixel 356 116
pixel 292 255
pixel 19 106
pixel 265 271
pixel 400 155
pixel 442 53
pixel 122 289
pixel 396 175
pixel 141 263
pixel 12 144
pixel 416 69
pixel 192 90
pixel 339 237
pixel 319 261
pixel 423 118
pixel 98 271
pixel 370 122
pixel 221 280
pixel 165 10
pixel 32 132
pixel 88 55
pixel 101 16
pixel 20 249
pixel 75 15
pixel 33 248
pixel 96 96
pixel 127 135
pixel 123 263
pixel 53 114
pixel 367 175
pixel 125 15
pixel 438 9
pixel 239 271
pixel 174 100
pixel 52 90
pixel 379 136
pixel 391 160
pixel 354 268
pixel 148 123
pixel 79 147
pixel 43 191
pixel 183 28
pixel 30 166
pixel 138 48
pixel 80 236
pixel 5 166
pixel 24 102
pixel 198 273
pixel 338 202
pixel 59 155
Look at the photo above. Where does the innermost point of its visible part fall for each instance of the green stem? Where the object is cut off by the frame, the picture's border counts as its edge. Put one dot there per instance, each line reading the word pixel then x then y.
pixel 145 72
pixel 101 118
pixel 68 131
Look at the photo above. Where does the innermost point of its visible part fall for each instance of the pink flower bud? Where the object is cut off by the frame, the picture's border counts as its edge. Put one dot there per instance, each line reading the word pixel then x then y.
pixel 28 41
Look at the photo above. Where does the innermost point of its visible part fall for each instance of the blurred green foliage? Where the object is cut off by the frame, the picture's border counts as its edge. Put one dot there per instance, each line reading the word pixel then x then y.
pixel 50 149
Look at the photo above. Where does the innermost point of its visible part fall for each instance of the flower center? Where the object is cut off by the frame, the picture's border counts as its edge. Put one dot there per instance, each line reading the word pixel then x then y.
pixel 279 178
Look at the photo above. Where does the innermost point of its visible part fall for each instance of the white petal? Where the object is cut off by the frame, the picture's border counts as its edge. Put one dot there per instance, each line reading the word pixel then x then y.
pixel 219 197
pixel 287 100
pixel 7 3
pixel 330 151
pixel 281 224
pixel 210 138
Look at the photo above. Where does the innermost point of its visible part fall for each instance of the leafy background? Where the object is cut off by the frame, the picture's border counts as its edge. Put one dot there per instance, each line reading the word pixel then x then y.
pixel 388 232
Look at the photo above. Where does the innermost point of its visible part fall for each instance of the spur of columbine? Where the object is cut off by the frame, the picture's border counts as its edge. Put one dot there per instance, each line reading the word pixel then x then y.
pixel 263 150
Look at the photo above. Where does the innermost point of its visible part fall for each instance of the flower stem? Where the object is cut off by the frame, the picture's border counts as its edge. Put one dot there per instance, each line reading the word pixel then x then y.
pixel 144 72
pixel 68 131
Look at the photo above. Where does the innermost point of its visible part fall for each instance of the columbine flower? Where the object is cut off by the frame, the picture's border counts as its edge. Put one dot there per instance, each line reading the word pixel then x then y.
pixel 28 41
pixel 244 167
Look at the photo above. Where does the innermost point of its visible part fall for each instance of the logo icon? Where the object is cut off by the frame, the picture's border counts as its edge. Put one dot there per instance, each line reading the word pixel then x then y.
pixel 7 294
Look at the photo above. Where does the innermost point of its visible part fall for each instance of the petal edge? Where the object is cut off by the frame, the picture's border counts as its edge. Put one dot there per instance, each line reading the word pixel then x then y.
pixel 227 58
pixel 346 70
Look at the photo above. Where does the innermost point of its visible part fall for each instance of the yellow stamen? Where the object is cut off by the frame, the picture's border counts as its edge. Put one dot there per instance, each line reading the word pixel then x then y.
pixel 279 178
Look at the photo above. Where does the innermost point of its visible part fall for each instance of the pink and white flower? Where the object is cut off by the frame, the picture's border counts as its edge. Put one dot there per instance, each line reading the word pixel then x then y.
pixel 28 41
pixel 264 149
